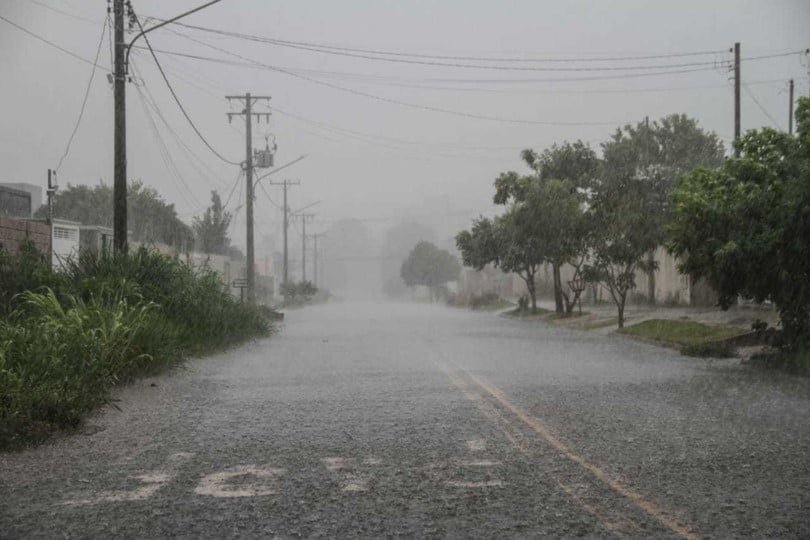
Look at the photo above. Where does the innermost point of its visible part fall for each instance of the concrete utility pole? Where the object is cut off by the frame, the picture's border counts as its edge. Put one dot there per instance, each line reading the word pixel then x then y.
pixel 121 10
pixel 315 257
pixel 286 209
pixel 790 108
pixel 120 133
pixel 51 191
pixel 736 95
pixel 247 112
pixel 304 218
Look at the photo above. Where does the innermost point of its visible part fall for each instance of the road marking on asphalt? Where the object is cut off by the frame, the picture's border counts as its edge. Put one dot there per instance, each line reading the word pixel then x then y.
pixel 615 485
pixel 481 463
pixel 476 485
pixel 253 481
pixel 477 445
pixel 345 469
pixel 151 484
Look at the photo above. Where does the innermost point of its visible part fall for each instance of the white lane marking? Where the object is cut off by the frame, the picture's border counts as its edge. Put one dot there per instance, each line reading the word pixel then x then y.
pixel 476 485
pixel 345 469
pixel 152 482
pixel 477 445
pixel 253 481
pixel 481 463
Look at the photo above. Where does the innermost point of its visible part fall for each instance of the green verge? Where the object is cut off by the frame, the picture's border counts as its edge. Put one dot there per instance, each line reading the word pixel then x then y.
pixel 693 338
pixel 68 337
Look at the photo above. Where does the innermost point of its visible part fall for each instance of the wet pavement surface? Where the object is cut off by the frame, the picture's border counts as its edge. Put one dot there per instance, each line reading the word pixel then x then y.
pixel 363 420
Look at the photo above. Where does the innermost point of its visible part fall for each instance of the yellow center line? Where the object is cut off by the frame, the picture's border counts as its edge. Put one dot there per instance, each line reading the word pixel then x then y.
pixel 641 502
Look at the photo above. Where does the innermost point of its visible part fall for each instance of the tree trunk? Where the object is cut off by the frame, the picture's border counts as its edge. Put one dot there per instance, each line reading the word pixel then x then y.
pixel 558 300
pixel 620 305
pixel 530 285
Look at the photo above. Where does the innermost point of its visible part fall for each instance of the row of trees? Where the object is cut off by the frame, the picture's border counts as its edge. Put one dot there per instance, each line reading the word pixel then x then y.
pixel 741 223
pixel 151 218
pixel 602 216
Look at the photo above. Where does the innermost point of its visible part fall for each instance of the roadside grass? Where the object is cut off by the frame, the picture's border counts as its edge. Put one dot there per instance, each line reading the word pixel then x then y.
pixel 68 337
pixel 692 338
pixel 528 315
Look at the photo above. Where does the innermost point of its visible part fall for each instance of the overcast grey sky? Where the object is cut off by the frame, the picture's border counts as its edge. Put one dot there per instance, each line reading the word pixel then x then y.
pixel 368 157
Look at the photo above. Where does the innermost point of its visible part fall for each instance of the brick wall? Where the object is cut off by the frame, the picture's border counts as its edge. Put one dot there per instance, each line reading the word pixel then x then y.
pixel 14 232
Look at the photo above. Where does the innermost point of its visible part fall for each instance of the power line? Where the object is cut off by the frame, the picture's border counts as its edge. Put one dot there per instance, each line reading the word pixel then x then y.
pixel 163 149
pixel 177 100
pixel 264 39
pixel 48 42
pixel 238 178
pixel 191 156
pixel 405 103
pixel 86 95
pixel 67 14
pixel 763 109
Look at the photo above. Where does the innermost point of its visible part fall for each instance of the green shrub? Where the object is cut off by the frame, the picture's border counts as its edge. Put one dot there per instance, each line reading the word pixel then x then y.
pixel 58 359
pixel 69 336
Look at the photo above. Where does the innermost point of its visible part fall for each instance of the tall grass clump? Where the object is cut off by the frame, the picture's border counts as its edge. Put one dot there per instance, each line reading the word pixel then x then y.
pixel 67 337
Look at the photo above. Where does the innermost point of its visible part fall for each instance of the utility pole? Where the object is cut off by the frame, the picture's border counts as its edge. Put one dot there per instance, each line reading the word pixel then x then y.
pixel 122 9
pixel 286 209
pixel 736 95
pixel 304 218
pixel 790 109
pixel 51 191
pixel 120 133
pixel 250 265
pixel 315 257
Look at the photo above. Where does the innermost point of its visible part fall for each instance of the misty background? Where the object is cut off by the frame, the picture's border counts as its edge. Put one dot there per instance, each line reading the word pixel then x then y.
pixel 387 143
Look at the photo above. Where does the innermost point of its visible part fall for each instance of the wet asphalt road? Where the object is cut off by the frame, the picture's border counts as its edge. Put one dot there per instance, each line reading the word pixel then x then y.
pixel 422 421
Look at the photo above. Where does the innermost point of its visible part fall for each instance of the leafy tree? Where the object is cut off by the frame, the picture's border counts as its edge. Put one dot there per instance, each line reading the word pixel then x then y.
pixel 659 152
pixel 430 266
pixel 623 234
pixel 399 240
pixel 564 175
pixel 211 229
pixel 150 218
pixel 745 227
pixel 509 242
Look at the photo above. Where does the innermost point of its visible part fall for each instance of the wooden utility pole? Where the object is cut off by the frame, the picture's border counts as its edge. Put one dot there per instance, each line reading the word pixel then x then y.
pixel 120 133
pixel 51 191
pixel 122 9
pixel 790 108
pixel 304 218
pixel 247 112
pixel 736 95
pixel 286 209
pixel 315 257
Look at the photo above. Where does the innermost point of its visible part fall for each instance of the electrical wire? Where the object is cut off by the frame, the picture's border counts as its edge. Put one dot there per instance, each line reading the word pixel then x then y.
pixel 84 100
pixel 238 178
pixel 48 42
pixel 163 149
pixel 264 39
pixel 177 99
pixel 405 103
pixel 67 14
pixel 763 109
pixel 191 156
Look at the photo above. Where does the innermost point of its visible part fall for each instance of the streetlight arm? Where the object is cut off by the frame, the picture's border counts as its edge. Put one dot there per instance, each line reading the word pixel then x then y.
pixel 164 23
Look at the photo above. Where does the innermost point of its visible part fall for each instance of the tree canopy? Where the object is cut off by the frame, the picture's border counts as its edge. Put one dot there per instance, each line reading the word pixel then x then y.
pixel 430 266
pixel 745 227
pixel 150 218
pixel 211 229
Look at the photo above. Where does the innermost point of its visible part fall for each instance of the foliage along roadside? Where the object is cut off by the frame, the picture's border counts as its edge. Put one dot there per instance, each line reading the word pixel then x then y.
pixel 68 337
